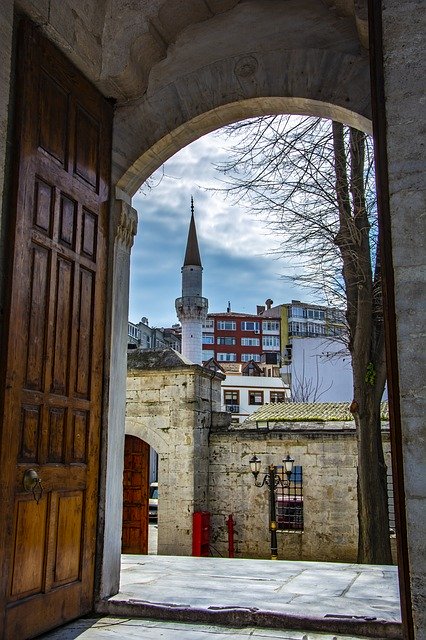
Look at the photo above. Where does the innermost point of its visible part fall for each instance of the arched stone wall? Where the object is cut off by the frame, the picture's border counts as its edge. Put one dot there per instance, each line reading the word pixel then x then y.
pixel 124 48
pixel 138 427
pixel 151 156
pixel 258 58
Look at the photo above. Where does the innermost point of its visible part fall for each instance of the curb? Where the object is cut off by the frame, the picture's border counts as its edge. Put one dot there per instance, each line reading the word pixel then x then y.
pixel 253 617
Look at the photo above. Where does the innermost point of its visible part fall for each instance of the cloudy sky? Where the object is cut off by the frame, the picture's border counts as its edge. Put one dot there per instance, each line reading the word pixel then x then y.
pixel 234 246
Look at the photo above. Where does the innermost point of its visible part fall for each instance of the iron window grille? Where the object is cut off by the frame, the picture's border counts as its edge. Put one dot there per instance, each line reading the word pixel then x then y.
pixel 289 500
pixel 391 504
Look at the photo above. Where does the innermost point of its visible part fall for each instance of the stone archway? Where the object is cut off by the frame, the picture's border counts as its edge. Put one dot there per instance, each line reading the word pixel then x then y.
pixel 285 58
pixel 132 55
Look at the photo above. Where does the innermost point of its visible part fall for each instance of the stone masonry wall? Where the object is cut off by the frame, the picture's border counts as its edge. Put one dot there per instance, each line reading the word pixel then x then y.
pixel 329 493
pixel 171 411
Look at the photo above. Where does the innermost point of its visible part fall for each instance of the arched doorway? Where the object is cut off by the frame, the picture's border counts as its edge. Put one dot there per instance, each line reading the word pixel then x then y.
pixel 164 125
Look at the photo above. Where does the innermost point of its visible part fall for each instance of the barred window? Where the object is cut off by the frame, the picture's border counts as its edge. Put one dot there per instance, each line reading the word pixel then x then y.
pixel 391 504
pixel 289 500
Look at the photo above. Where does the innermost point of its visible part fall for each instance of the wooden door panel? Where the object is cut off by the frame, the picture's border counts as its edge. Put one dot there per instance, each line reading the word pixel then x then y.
pixel 53 380
pixel 29 549
pixel 135 496
pixel 68 537
pixel 54 118
pixel 38 303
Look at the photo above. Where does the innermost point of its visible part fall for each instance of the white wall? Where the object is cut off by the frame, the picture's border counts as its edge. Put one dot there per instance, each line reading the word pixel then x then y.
pixel 245 383
pixel 322 366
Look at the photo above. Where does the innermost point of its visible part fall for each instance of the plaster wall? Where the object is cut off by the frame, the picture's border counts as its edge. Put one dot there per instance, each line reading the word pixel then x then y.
pixel 192 339
pixel 244 384
pixel 314 367
pixel 192 281
pixel 329 492
pixel 404 26
pixel 171 411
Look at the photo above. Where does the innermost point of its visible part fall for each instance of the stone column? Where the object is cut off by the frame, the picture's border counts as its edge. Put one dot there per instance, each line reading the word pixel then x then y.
pixel 403 29
pixel 124 228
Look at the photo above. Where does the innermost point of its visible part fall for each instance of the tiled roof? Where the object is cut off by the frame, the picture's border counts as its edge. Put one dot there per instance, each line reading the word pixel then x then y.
pixel 308 412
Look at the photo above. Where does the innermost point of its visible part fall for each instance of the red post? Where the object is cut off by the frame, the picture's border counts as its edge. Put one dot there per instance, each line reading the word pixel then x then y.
pixel 230 525
pixel 200 533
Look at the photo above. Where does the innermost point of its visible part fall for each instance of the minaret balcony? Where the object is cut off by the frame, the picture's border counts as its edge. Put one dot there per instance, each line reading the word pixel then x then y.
pixel 191 307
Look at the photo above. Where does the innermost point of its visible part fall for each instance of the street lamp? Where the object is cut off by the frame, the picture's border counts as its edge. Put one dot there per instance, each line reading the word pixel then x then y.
pixel 272 480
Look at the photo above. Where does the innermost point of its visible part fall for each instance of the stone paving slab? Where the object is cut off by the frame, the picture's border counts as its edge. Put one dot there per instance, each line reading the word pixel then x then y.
pixel 326 588
pixel 340 598
pixel 109 628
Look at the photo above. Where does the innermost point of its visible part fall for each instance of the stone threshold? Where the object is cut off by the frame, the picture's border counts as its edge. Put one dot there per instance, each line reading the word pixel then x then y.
pixel 359 626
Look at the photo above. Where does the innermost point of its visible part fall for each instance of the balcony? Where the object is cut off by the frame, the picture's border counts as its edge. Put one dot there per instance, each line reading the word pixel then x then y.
pixel 192 307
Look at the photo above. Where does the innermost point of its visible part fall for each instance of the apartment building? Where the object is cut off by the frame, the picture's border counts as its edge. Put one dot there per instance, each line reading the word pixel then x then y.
pixel 142 336
pixel 241 338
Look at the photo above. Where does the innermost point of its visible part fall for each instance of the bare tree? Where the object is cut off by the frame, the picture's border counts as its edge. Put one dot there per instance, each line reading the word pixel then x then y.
pixel 312 182
pixel 307 388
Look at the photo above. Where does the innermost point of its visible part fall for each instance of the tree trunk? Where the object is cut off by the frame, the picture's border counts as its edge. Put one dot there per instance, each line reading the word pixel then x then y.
pixel 373 513
pixel 367 350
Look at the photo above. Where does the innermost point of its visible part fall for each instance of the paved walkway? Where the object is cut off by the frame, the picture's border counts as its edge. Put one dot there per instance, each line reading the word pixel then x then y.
pixel 185 598
pixel 136 629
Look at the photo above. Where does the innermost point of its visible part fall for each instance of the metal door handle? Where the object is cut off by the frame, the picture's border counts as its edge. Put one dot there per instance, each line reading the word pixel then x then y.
pixel 32 483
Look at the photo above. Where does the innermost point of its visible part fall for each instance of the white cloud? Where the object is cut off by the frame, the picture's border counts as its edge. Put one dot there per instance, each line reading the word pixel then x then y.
pixel 233 244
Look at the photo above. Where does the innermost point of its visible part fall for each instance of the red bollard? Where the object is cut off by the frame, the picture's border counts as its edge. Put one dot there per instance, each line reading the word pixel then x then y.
pixel 230 525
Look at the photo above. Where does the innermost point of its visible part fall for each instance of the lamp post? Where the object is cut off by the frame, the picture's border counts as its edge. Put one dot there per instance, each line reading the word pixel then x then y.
pixel 272 480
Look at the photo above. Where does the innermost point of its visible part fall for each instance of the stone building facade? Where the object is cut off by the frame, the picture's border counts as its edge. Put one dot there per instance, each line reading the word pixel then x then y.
pixel 327 453
pixel 171 405
pixel 203 464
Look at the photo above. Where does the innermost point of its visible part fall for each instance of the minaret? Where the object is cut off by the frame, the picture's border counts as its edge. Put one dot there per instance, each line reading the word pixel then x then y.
pixel 192 308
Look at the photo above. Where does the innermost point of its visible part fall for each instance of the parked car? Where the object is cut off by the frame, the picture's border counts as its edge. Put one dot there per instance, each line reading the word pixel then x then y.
pixel 153 501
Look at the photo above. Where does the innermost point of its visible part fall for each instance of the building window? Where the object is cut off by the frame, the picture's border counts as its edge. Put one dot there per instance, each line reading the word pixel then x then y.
pixel 227 357
pixel 227 340
pixel 208 339
pixel 297 312
pixel 231 401
pixel 270 326
pixel 250 342
pixel 231 397
pixel 271 342
pixel 289 501
pixel 250 326
pixel 246 357
pixel 277 396
pixel 207 354
pixel 208 324
pixel 315 314
pixel 296 328
pixel 226 325
pixel 255 397
pixel 133 331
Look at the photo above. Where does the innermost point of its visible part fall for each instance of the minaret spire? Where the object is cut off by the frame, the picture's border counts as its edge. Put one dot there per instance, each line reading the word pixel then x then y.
pixel 192 308
pixel 192 254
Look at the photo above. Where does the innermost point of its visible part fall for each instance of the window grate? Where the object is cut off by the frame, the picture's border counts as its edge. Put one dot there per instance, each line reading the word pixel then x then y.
pixel 391 504
pixel 289 500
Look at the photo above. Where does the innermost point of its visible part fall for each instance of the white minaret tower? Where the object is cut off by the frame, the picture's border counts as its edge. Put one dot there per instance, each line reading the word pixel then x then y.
pixel 192 308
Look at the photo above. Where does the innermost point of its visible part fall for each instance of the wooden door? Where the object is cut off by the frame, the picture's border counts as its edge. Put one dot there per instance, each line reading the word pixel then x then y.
pixel 135 496
pixel 54 342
